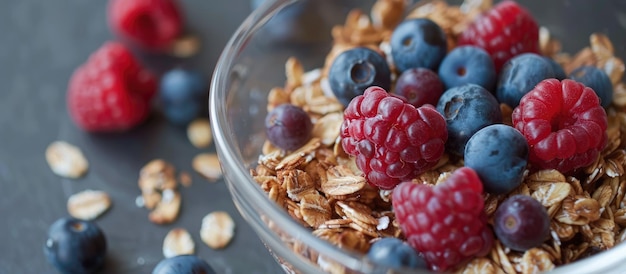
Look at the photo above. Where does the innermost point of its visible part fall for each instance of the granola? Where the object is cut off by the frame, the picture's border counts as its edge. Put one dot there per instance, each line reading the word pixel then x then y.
pixel 158 185
pixel 321 188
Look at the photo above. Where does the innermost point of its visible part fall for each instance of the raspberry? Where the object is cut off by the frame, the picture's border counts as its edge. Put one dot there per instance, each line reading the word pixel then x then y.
pixel 564 123
pixel 111 91
pixel 391 139
pixel 446 223
pixel 504 31
pixel 149 24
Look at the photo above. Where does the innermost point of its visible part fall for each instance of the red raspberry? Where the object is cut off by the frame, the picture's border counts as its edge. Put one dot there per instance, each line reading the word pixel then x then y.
pixel 564 123
pixel 150 24
pixel 111 91
pixel 504 31
pixel 446 223
pixel 391 139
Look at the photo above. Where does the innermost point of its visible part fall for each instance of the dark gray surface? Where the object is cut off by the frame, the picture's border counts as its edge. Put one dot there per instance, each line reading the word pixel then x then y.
pixel 44 40
pixel 42 43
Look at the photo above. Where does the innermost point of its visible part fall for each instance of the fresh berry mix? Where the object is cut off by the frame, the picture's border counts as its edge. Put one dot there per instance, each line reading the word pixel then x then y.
pixel 504 31
pixel 419 86
pixel 564 124
pixel 597 80
pixel 288 127
pixel 499 154
pixel 394 253
pixel 467 109
pixel 183 264
pixel 390 138
pixel 355 70
pixel 521 223
pixel 111 91
pixel 183 94
pixel 149 24
pixel 468 65
pixel 520 75
pixel 418 43
pixel 559 73
pixel 75 246
pixel 445 223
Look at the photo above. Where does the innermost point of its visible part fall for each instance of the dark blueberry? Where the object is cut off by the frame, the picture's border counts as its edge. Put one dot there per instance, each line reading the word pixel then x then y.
pixel 467 109
pixel 183 264
pixel 182 114
pixel 288 127
pixel 183 94
pixel 597 80
pixel 468 65
pixel 419 86
pixel 499 154
pixel 355 70
pixel 418 43
pixel 521 223
pixel 520 75
pixel 75 246
pixel 559 73
pixel 394 253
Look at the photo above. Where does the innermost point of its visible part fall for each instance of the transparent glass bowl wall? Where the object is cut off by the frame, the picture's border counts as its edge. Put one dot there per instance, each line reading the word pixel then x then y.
pixel 253 62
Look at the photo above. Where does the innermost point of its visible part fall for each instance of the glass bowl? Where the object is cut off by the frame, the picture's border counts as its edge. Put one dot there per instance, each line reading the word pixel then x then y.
pixel 253 62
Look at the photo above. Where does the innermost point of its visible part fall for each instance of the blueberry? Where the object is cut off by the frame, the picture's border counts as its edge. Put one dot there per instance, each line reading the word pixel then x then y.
pixel 467 109
pixel 183 264
pixel 418 43
pixel 499 154
pixel 419 86
pixel 183 94
pixel 468 65
pixel 75 246
pixel 288 127
pixel 394 253
pixel 520 75
pixel 182 114
pixel 597 80
pixel 355 70
pixel 521 223
pixel 559 73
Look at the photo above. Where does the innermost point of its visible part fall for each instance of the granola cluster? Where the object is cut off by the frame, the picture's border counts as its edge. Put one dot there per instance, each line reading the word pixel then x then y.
pixel 320 186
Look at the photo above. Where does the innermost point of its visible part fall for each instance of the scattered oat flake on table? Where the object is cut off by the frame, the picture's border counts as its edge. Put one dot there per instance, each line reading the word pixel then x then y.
pixel 207 165
pixel 88 204
pixel 199 133
pixel 178 242
pixel 185 46
pixel 185 179
pixel 167 209
pixel 66 160
pixel 218 228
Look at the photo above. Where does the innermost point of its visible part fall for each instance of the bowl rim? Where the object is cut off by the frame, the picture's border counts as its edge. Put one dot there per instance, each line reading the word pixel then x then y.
pixel 228 155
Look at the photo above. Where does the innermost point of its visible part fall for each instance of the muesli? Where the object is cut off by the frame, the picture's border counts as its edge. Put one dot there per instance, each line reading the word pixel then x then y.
pixel 322 188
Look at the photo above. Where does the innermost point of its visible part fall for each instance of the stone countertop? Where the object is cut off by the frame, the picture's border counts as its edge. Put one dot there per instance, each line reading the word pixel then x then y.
pixel 42 43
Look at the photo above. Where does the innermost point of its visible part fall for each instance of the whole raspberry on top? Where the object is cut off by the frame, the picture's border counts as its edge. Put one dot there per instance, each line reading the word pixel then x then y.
pixel 564 123
pixel 391 139
pixel 446 222
pixel 111 91
pixel 149 24
pixel 504 31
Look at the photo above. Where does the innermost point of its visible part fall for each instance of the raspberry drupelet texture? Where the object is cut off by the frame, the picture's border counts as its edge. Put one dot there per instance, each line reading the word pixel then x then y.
pixel 391 139
pixel 445 223
pixel 111 91
pixel 564 123
pixel 504 31
pixel 149 24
